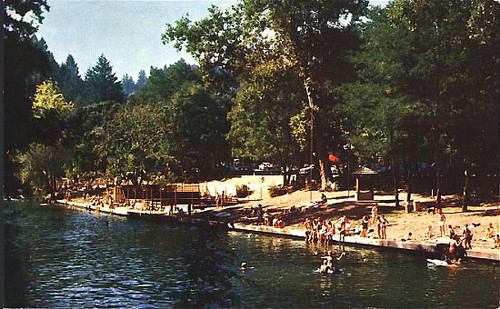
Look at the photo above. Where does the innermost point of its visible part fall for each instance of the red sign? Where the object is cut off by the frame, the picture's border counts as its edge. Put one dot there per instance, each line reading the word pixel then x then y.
pixel 333 158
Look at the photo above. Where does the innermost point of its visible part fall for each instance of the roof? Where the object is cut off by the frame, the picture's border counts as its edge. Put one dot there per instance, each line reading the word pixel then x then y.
pixel 364 171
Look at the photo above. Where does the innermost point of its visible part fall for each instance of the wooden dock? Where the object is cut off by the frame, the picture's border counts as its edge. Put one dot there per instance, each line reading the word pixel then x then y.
pixel 430 249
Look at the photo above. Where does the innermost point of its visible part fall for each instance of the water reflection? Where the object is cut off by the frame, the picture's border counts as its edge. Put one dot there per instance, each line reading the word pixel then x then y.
pixel 209 263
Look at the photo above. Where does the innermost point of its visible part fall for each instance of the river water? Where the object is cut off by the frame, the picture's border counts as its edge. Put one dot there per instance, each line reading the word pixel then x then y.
pixel 64 258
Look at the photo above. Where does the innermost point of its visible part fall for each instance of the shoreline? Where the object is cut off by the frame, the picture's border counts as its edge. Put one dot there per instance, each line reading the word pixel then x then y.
pixel 410 246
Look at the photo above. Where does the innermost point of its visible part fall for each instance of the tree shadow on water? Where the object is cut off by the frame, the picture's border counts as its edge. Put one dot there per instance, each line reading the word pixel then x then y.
pixel 208 259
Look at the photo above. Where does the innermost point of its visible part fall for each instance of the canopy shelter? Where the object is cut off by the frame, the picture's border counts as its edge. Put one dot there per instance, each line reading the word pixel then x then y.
pixel 163 194
pixel 365 183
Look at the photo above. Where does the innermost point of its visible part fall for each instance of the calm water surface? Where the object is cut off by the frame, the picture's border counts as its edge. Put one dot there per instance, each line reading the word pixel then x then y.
pixel 60 258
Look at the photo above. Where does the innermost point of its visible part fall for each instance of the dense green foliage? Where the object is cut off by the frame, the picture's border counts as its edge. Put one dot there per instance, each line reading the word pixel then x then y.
pixel 172 125
pixel 412 88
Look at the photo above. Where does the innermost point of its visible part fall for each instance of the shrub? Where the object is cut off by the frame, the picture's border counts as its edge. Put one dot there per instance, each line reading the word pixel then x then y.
pixel 243 191
pixel 277 191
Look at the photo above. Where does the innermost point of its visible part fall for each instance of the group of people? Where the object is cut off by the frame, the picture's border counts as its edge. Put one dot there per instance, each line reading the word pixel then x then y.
pixel 490 234
pixel 318 230
pixel 266 218
pixel 380 222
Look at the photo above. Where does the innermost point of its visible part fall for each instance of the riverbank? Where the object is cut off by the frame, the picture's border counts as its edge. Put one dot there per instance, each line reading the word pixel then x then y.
pixel 401 223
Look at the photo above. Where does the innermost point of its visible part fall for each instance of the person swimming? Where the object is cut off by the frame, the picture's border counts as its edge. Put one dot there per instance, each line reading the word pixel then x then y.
pixel 327 266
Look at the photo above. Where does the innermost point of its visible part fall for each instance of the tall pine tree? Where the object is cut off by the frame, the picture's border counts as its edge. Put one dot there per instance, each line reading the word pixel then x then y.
pixel 69 80
pixel 101 84
pixel 142 79
pixel 128 85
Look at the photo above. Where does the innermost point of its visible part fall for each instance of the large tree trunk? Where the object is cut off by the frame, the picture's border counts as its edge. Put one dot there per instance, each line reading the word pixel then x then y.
pixel 393 168
pixel 437 162
pixel 317 139
pixel 409 175
pixel 395 181
pixel 466 190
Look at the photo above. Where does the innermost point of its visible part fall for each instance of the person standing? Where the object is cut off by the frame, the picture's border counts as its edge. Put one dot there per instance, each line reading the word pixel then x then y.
pixel 364 224
pixel 383 226
pixel 441 222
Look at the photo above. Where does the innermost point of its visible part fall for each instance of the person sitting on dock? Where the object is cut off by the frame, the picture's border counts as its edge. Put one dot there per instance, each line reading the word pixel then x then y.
pixel 278 223
pixel 260 216
pixel 452 248
pixel 497 241
pixel 343 227
pixel 324 199
pixel 428 232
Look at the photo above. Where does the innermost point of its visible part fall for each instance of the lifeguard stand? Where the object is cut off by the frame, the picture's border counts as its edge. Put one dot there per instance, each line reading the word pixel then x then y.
pixel 364 183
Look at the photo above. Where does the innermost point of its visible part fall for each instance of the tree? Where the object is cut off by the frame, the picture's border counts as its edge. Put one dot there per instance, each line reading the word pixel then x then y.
pixel 44 161
pixel 135 139
pixel 260 117
pixel 163 83
pixel 101 84
pixel 216 43
pixel 48 98
pixel 128 85
pixel 93 120
pixel 196 125
pixel 142 79
pixel 41 165
pixel 182 136
pixel 444 45
pixel 69 80
pixel 23 18
pixel 381 121
pixel 23 61
pixel 313 38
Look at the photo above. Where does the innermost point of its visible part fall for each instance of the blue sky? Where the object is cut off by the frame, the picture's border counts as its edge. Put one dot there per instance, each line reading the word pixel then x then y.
pixel 128 33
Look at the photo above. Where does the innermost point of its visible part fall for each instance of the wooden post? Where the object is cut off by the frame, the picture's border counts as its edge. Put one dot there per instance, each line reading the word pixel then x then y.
pixel 175 195
pixel 358 186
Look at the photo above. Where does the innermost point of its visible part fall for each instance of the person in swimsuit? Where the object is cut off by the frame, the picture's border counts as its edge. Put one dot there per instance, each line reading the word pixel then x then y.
pixel 329 261
pixel 364 225
pixel 441 222
pixel 452 231
pixel 324 267
pixel 467 235
pixel 374 214
pixel 383 227
pixel 452 249
pixel 344 223
pixel 490 231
